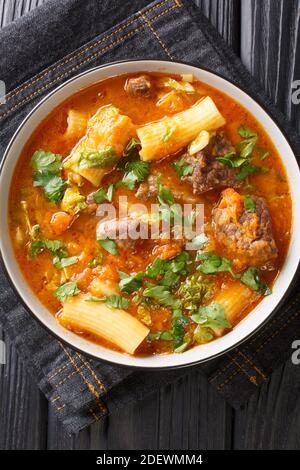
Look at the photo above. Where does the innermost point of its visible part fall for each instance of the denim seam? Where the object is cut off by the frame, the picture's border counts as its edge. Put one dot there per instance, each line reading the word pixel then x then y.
pixel 75 55
pixel 78 66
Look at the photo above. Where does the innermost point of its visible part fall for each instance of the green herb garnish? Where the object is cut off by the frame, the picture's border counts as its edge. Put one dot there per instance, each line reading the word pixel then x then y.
pixel 182 168
pixel 61 263
pixel 136 172
pixel 212 316
pixel 69 289
pixel 251 278
pixel 109 245
pixel 47 166
pixel 249 204
pixel 211 263
pixel 104 194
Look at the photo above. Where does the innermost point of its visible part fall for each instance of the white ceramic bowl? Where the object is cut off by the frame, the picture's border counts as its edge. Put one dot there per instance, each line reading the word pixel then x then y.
pixel 200 353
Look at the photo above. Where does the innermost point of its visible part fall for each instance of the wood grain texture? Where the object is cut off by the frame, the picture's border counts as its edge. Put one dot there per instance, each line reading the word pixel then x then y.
pixel 188 414
pixel 23 408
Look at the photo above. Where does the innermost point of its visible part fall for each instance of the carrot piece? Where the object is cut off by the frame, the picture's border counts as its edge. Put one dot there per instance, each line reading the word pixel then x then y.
pixel 60 222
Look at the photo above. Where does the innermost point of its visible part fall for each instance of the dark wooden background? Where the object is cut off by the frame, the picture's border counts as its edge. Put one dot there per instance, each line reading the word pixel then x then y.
pixel 189 414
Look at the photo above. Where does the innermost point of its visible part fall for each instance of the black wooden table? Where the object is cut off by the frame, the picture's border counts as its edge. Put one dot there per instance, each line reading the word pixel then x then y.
pixel 189 414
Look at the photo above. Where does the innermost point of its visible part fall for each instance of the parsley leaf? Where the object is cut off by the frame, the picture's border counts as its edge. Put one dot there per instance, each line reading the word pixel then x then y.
pixel 232 160
pixel 182 168
pixel 213 263
pixel 212 316
pixel 252 279
pixel 109 245
pixel 165 195
pixel 249 204
pixel 46 166
pixel 136 172
pixel 37 246
pixel 117 301
pixel 132 148
pixel 245 132
pixel 46 161
pixel 130 283
pixel 66 290
pixel 63 262
pixel 162 295
pixel 104 194
pixel 247 170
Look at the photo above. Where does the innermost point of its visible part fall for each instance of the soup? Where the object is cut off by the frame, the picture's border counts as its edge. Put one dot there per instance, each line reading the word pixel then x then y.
pixel 150 213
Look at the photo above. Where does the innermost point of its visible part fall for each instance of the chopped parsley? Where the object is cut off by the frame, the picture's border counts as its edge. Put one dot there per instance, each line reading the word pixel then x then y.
pixel 112 301
pixel 251 278
pixel 61 263
pixel 212 316
pixel 69 289
pixel 104 194
pixel 211 263
pixel 130 283
pixel 249 204
pixel 136 172
pixel 109 245
pixel 46 175
pixel 182 168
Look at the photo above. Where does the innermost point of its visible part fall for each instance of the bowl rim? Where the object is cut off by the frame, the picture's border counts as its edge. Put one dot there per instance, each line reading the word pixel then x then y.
pixel 69 343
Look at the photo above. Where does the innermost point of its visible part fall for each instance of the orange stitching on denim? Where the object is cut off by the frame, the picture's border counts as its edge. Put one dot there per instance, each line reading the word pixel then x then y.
pixel 252 378
pixel 262 345
pixel 150 26
pixel 86 60
pixel 90 387
pixel 95 376
pixel 57 371
pixel 220 371
pixel 57 408
pixel 16 92
pixel 219 387
pixel 255 367
pixel 272 322
pixel 66 378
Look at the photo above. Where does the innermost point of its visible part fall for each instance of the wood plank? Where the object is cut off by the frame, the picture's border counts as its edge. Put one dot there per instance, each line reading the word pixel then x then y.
pixel 225 17
pixel 271 419
pixel 167 419
pixel 193 416
pixel 23 408
pixel 270 50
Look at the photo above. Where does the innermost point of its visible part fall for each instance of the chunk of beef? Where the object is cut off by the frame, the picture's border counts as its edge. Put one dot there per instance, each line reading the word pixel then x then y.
pixel 244 237
pixel 209 173
pixel 125 231
pixel 139 86
pixel 148 188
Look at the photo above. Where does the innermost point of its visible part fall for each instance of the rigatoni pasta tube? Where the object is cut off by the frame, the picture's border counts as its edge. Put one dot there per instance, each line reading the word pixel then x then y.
pixel 108 132
pixel 114 325
pixel 77 123
pixel 161 138
pixel 235 299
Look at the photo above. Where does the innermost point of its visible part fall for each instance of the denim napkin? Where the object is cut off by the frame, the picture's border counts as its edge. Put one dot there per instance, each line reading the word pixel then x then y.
pixel 41 51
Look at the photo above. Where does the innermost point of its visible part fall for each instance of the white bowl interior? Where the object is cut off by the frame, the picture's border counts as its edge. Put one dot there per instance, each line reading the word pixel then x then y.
pixel 199 353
